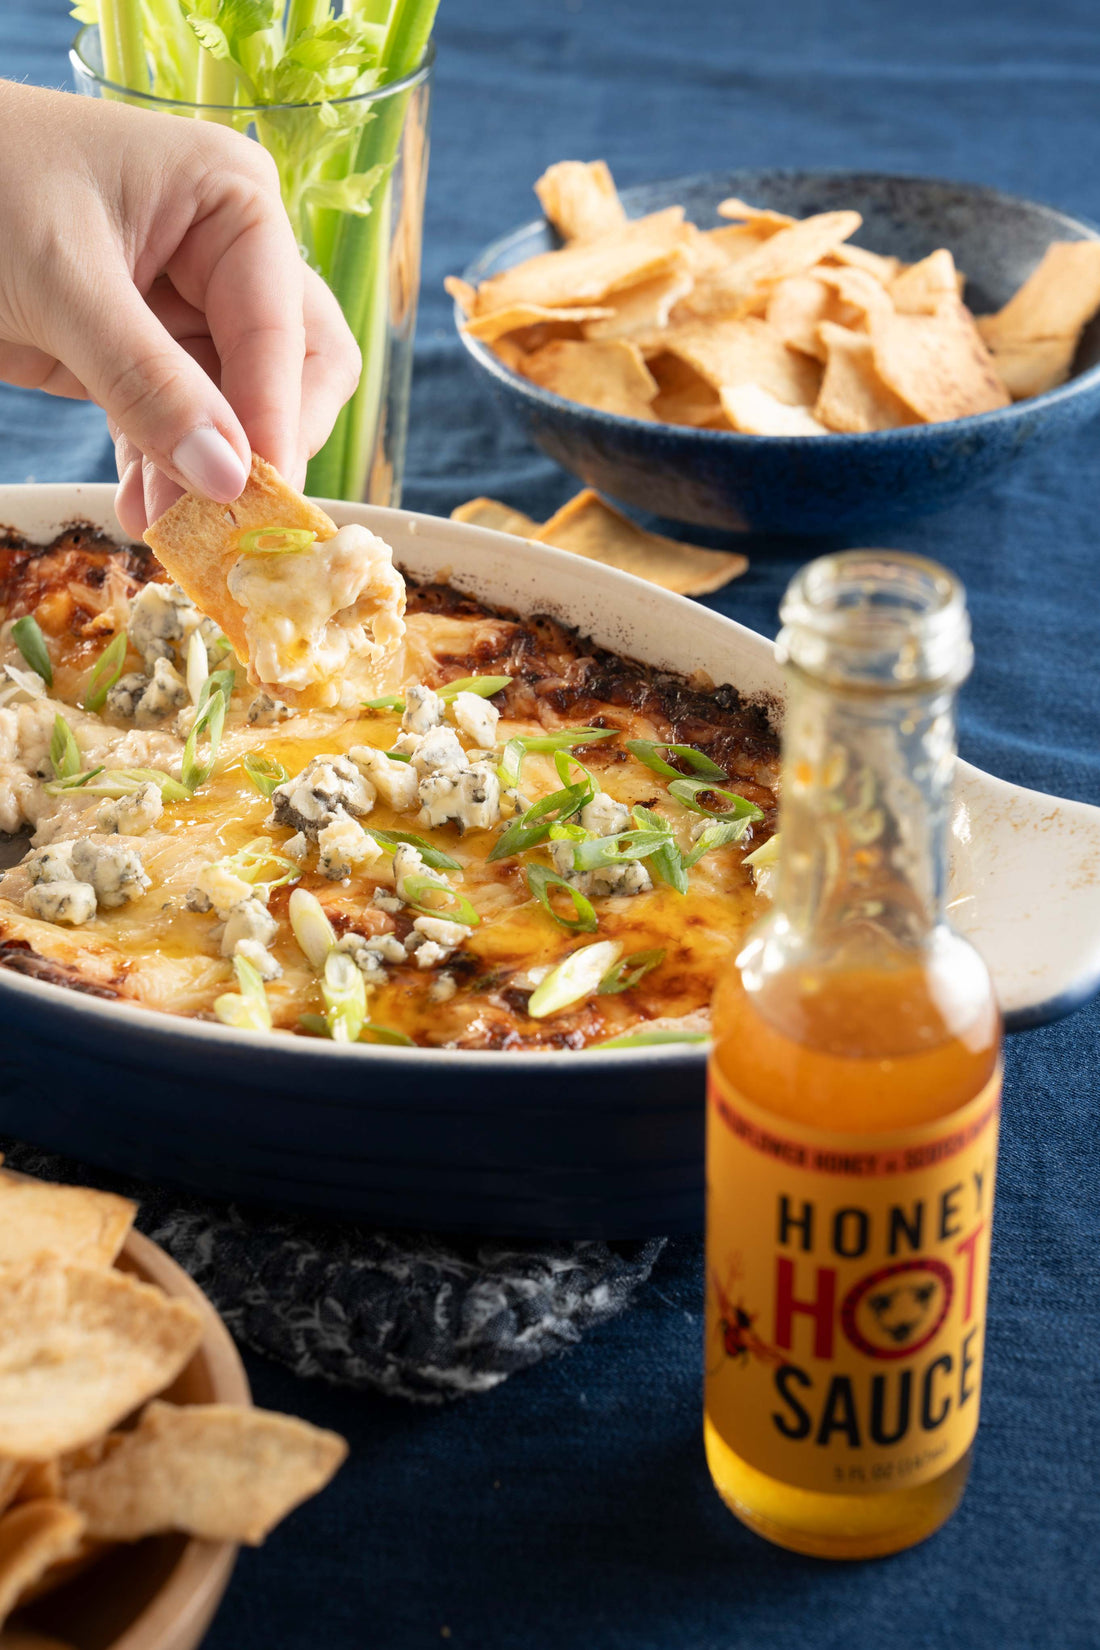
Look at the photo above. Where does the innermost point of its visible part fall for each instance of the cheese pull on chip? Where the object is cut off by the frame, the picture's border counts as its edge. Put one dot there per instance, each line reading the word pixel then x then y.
pixel 313 611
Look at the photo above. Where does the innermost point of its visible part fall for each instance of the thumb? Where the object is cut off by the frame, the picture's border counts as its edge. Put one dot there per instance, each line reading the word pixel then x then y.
pixel 155 394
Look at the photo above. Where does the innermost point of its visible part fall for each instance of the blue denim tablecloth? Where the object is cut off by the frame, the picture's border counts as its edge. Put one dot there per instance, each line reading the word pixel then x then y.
pixel 570 1509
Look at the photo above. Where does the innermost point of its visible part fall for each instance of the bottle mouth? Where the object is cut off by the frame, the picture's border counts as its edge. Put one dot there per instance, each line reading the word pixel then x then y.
pixel 880 619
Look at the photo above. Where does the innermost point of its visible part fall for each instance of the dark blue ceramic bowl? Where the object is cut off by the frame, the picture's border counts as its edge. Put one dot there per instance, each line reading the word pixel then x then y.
pixel 834 483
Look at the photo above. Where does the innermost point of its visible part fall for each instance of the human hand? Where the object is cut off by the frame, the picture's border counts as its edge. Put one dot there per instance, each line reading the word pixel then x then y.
pixel 147 264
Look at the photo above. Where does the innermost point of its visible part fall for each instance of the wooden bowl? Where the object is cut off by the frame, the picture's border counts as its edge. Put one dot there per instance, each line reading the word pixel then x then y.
pixel 161 1593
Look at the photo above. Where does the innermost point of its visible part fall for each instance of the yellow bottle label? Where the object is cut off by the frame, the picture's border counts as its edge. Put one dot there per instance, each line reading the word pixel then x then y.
pixel 846 1290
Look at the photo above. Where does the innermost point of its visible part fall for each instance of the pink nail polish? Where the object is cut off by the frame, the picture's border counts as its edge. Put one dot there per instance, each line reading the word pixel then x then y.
pixel 209 465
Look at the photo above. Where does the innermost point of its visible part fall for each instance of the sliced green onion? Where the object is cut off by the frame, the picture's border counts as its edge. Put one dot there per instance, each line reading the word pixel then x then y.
pixel 667 861
pixel 764 857
pixel 28 638
pixel 533 827
pixel 274 541
pixel 105 673
pixel 434 857
pixel 258 857
pixel 540 879
pixel 569 833
pixel 264 772
pixel 688 792
pixel 198 666
pixel 646 751
pixel 116 782
pixel 315 1024
pixel 715 835
pixel 64 750
pixel 650 1039
pixel 565 738
pixel 577 977
pixel 345 993
pixel 385 1034
pixel 454 907
pixel 564 760
pixel 209 719
pixel 388 701
pixel 486 686
pixel 629 970
pixel 596 852
pixel 250 1011
pixel 398 756
pixel 511 762
pixel 315 934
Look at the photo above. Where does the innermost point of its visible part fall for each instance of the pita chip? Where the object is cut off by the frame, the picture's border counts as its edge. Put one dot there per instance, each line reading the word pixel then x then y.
pixel 938 364
pixel 499 322
pixel 79 1350
pixel 33 1537
pixel 500 518
pixel 589 527
pixel 216 1471
pixel 71 1223
pixel 610 376
pixel 1057 299
pixel 241 566
pixel 584 272
pixel 754 412
pixel 580 199
pixel 853 397
pixel 746 352
pixel 1030 366
pixel 920 288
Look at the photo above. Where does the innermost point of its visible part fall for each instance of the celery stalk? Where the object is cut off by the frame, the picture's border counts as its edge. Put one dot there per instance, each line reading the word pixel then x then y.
pixel 358 272
pixel 123 44
pixel 304 14
pixel 217 89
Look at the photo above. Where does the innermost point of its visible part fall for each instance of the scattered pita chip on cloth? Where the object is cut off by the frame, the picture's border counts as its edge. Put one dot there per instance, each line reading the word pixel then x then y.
pixel 1055 301
pixel 918 289
pixel 1030 366
pixel 586 271
pixel 938 364
pixel 580 199
pixel 609 376
pixel 501 518
pixel 589 527
pixel 342 596
pixel 754 412
pixel 746 352
pixel 211 1470
pixel 499 322
pixel 853 398
pixel 80 1349
pixel 32 1538
pixel 72 1223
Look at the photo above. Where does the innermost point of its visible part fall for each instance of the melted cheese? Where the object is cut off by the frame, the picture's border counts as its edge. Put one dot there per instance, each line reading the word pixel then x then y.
pixel 323 618
pixel 158 952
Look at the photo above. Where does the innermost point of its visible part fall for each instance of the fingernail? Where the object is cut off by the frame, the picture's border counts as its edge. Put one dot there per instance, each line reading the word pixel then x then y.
pixel 209 465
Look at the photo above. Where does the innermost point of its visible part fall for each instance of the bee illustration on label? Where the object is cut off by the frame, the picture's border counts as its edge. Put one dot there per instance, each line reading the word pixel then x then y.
pixel 733 1329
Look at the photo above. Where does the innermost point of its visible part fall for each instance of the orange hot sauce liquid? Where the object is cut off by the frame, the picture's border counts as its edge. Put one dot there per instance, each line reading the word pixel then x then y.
pixel 859 1050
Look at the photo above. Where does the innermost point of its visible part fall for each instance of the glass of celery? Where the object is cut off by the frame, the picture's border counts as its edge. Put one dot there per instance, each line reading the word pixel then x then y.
pixel 341 102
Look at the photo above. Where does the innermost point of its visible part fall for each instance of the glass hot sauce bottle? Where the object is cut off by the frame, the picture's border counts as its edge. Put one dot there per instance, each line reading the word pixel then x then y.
pixel 853 1096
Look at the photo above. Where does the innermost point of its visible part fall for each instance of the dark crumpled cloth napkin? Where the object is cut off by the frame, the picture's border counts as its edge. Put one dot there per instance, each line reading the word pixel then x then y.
pixel 412 1314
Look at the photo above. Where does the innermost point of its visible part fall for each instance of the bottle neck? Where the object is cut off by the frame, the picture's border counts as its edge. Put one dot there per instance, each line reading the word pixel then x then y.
pixel 866 793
